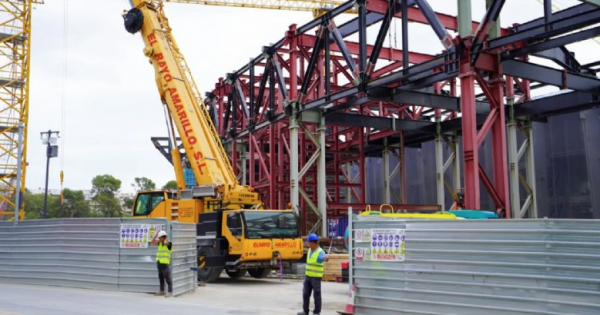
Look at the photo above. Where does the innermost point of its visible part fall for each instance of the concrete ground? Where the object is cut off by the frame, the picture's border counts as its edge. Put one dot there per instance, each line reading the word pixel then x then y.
pixel 227 296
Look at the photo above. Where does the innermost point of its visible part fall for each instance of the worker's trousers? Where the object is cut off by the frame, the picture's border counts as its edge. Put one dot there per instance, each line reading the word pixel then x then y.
pixel 164 275
pixel 311 285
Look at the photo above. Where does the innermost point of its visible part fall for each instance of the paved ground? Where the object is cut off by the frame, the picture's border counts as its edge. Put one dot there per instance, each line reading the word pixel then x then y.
pixel 228 296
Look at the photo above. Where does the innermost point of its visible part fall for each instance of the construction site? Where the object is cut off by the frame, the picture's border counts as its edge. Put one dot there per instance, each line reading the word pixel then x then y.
pixel 376 157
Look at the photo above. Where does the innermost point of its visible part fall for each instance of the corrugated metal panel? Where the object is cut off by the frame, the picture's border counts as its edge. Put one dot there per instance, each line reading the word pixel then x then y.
pixel 138 272
pixel 495 267
pixel 184 256
pixel 82 253
pixel 85 253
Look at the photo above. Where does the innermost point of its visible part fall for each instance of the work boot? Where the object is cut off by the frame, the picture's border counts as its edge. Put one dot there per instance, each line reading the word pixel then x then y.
pixel 169 295
pixel 160 293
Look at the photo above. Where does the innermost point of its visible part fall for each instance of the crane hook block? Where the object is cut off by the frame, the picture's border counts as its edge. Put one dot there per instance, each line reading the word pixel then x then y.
pixel 134 19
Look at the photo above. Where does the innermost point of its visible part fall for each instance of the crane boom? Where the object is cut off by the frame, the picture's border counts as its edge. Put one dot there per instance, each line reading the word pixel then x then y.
pixel 187 111
pixel 289 5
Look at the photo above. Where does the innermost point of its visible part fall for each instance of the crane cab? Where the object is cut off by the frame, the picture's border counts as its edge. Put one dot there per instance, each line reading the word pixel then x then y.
pixel 164 204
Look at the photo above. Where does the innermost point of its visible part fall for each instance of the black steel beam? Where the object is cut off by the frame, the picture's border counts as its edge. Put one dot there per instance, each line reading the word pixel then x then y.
pixel 491 16
pixel 328 65
pixel 261 88
pixel 339 40
pixel 559 27
pixel 351 26
pixel 558 104
pixel 333 97
pixel 348 104
pixel 566 13
pixel 415 98
pixel 405 47
pixel 280 78
pixel 435 23
pixel 251 89
pixel 322 19
pixel 562 57
pixel 533 72
pixel 380 123
pixel 548 14
pixel 362 40
pixel 545 49
pixel 381 35
pixel 311 64
pixel 271 90
pixel 242 97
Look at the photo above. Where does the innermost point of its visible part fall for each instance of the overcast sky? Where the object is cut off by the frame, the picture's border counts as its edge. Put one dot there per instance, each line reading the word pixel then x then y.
pixel 112 105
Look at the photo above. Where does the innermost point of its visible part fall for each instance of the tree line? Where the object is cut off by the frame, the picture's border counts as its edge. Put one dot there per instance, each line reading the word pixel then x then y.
pixel 104 201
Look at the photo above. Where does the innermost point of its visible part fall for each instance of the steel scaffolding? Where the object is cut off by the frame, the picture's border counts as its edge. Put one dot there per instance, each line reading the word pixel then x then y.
pixel 300 119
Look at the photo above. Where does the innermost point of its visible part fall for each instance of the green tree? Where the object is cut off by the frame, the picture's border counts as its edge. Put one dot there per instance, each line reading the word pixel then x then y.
pixel 74 206
pixel 128 203
pixel 172 184
pixel 104 189
pixel 143 183
pixel 34 206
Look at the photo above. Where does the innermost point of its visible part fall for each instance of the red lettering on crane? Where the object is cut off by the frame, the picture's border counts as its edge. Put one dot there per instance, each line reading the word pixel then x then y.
pixel 192 140
pixel 198 155
pixel 152 39
pixel 159 56
pixel 176 99
pixel 200 167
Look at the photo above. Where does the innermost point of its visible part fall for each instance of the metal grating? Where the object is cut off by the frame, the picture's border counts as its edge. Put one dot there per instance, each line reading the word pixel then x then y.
pixel 492 267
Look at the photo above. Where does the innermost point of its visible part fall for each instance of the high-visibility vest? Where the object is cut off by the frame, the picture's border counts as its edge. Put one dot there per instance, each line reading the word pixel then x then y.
pixel 314 269
pixel 163 255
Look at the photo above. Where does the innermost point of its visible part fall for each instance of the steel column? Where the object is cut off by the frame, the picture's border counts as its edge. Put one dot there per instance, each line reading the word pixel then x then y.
pixel 513 159
pixel 386 171
pixel 465 24
pixel 469 133
pixel 321 175
pixel 439 165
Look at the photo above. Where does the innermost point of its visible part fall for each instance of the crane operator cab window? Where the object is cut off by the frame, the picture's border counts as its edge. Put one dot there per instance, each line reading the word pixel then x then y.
pixel 234 224
pixel 146 202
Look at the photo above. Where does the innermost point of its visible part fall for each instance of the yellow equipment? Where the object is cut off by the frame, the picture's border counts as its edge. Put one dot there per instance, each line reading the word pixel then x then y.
pixel 438 215
pixel 232 232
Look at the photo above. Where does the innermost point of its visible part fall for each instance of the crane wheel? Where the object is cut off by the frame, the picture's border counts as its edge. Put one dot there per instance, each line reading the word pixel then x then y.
pixel 236 274
pixel 259 273
pixel 208 275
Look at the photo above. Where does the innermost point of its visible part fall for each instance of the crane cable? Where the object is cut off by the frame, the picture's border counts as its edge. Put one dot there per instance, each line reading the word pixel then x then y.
pixel 65 85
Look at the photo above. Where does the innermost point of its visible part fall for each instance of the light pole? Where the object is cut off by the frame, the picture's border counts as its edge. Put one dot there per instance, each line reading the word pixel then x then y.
pixel 51 151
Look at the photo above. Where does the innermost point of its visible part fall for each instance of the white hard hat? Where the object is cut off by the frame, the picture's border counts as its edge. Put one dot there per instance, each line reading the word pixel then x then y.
pixel 161 234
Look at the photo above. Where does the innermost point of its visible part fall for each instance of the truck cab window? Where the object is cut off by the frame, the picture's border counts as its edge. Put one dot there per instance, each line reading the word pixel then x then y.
pixel 142 205
pixel 156 199
pixel 234 224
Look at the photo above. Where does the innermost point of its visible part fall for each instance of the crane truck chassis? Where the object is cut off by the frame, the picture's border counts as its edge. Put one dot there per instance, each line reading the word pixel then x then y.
pixel 234 233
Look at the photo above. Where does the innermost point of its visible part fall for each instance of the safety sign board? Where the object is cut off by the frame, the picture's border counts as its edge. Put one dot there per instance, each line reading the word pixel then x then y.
pixel 138 235
pixel 387 245
pixel 362 236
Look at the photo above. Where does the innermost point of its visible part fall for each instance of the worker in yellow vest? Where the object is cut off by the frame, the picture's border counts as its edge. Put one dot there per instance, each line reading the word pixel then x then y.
pixel 315 263
pixel 163 262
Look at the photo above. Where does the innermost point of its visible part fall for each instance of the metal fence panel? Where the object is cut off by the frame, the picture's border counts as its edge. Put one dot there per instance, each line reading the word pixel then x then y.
pixel 184 256
pixel 472 267
pixel 137 266
pixel 86 253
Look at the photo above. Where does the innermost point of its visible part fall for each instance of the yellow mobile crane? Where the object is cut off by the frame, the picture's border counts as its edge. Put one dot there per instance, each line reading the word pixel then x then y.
pixel 233 232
